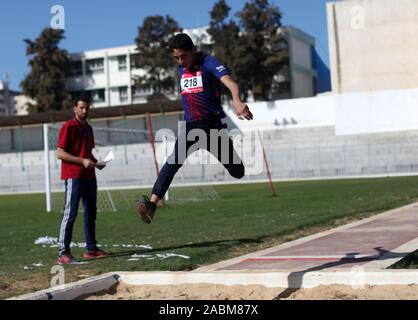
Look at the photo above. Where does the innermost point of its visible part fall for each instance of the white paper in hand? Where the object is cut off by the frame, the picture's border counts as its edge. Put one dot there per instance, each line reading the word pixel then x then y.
pixel 109 157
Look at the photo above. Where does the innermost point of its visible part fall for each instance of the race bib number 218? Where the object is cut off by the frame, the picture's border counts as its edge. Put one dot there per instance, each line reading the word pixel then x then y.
pixel 191 83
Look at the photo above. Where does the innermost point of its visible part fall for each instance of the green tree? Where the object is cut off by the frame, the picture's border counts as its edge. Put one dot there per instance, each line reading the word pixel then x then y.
pixel 252 48
pixel 265 49
pixel 45 83
pixel 154 58
pixel 227 44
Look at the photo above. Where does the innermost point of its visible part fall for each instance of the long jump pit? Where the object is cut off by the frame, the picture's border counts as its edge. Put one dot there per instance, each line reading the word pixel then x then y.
pixel 392 285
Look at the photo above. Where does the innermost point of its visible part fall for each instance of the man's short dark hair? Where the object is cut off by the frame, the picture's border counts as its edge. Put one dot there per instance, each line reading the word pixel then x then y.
pixel 181 41
pixel 85 97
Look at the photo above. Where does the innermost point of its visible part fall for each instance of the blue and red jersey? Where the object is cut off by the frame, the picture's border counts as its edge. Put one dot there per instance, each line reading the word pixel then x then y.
pixel 78 140
pixel 201 90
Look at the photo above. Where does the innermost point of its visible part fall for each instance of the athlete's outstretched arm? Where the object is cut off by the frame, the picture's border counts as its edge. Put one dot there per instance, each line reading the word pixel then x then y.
pixel 241 109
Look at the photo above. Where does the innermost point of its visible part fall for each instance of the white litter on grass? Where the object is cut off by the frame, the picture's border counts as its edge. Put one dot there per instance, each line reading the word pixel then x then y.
pixel 46 240
pixel 52 242
pixel 38 265
pixel 141 256
pixel 171 255
pixel 161 256
pixel 148 247
pixel 78 245
pixel 136 257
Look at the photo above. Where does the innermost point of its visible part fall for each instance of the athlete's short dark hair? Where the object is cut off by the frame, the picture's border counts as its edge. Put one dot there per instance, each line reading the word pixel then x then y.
pixel 85 97
pixel 180 41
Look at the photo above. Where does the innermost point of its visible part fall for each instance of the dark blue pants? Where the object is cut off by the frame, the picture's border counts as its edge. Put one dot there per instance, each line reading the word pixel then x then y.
pixel 223 151
pixel 76 189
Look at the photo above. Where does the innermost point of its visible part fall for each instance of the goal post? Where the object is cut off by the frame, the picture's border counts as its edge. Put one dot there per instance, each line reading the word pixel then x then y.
pixel 134 157
pixel 132 169
pixel 118 140
pixel 47 168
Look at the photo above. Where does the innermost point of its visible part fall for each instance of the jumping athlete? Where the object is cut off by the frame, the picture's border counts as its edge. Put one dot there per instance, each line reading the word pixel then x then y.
pixel 201 77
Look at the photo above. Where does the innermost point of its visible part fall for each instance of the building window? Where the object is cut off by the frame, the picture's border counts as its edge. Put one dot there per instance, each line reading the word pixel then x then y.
pixel 76 68
pixel 122 63
pixel 123 94
pixel 95 66
pixel 140 92
pixel 134 60
pixel 98 96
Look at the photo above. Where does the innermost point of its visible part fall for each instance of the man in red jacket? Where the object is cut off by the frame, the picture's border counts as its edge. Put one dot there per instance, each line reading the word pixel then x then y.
pixel 75 145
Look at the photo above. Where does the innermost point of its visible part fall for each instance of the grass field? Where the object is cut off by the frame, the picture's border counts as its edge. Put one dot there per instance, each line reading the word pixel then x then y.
pixel 246 218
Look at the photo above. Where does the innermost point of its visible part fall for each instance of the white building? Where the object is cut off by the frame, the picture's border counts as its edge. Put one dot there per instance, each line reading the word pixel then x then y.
pixel 21 104
pixel 108 74
pixel 13 103
pixel 7 102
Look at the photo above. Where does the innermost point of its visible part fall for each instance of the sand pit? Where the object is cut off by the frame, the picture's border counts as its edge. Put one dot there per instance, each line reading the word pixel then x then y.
pixel 257 292
pixel 341 292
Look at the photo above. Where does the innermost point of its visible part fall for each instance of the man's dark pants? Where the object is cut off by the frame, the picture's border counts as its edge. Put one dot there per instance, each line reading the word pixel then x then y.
pixel 76 189
pixel 211 132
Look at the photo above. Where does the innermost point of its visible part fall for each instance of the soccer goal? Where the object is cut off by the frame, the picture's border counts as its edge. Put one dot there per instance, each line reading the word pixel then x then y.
pixel 138 156
pixel 132 153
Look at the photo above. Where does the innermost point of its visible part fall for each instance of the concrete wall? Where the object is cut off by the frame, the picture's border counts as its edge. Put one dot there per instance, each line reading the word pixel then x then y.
pixel 303 85
pixel 301 67
pixel 288 114
pixel 292 153
pixel 373 44
pixel 376 111
pixel 301 53
pixel 6 140
pixel 21 139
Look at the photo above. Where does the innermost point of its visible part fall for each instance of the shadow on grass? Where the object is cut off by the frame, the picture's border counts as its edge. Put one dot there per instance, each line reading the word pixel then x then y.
pixel 227 243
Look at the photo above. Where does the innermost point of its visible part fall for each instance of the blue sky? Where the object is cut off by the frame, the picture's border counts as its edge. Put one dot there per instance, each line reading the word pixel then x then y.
pixel 94 24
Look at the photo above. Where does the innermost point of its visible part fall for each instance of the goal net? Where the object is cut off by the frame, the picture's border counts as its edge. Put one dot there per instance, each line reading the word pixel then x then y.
pixel 133 170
